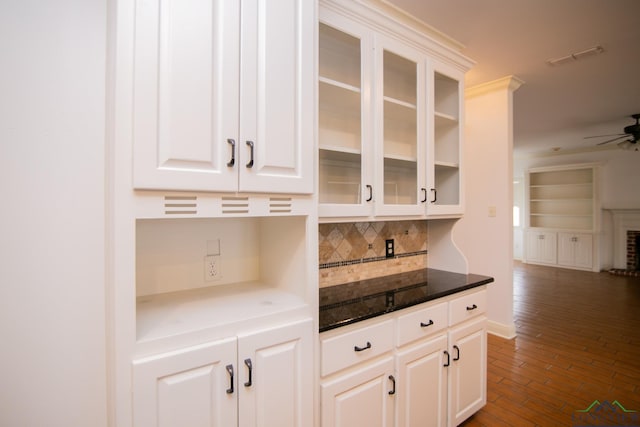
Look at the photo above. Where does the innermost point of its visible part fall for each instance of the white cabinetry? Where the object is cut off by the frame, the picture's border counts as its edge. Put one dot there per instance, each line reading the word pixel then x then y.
pixel 575 250
pixel 423 366
pixel 208 97
pixel 389 116
pixel 260 378
pixel 563 216
pixel 541 247
pixel 223 96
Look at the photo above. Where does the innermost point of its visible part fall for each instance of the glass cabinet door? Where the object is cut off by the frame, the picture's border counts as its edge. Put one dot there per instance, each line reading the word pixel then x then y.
pixel 342 189
pixel 402 136
pixel 445 181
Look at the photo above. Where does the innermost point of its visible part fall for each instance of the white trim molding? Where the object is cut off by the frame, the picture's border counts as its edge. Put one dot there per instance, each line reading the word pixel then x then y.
pixel 502 330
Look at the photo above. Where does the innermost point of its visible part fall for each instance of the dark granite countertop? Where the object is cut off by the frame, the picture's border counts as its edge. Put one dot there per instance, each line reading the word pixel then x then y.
pixel 352 302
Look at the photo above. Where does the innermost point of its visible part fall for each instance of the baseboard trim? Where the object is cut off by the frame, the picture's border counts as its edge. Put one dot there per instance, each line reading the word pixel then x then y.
pixel 501 330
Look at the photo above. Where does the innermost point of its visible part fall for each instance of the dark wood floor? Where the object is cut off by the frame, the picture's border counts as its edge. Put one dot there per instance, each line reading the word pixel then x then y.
pixel 578 340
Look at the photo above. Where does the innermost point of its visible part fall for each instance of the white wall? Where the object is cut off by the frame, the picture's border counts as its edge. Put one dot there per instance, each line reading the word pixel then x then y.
pixel 486 240
pixel 52 143
pixel 620 181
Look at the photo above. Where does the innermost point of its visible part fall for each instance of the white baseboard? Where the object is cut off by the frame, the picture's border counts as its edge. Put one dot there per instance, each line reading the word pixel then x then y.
pixel 501 330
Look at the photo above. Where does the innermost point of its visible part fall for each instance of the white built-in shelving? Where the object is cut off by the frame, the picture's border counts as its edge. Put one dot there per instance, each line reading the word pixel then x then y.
pixel 563 216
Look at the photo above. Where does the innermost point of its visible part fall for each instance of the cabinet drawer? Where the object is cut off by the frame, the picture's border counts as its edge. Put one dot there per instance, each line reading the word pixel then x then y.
pixel 421 323
pixel 344 350
pixel 467 306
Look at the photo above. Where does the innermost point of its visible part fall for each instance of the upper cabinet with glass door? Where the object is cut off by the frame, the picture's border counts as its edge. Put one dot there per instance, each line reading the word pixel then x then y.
pixel 445 154
pixel 389 120
pixel 345 187
pixel 399 129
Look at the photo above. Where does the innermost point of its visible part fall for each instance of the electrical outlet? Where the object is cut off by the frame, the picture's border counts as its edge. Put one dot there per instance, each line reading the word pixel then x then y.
pixel 211 268
pixel 389 251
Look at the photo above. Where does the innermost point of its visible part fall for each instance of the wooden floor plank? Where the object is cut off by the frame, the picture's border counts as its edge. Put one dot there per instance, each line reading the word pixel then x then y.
pixel 578 340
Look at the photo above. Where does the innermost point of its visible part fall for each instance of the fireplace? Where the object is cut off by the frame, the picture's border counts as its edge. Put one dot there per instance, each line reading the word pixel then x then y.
pixel 633 240
pixel 626 240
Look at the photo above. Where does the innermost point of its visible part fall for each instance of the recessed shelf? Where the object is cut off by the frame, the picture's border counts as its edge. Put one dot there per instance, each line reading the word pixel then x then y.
pixel 338 84
pixel 440 164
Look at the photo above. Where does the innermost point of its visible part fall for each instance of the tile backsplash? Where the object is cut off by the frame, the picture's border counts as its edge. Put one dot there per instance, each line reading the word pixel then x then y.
pixel 356 250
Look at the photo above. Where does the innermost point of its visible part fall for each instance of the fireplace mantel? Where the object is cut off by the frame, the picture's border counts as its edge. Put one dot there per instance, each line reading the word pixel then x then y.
pixel 624 220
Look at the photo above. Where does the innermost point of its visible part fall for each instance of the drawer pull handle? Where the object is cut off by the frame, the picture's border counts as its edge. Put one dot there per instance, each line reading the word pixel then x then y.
pixel 366 347
pixel 446 353
pixel 230 371
pixel 424 325
pixel 393 381
pixel 457 349
pixel 473 307
pixel 249 365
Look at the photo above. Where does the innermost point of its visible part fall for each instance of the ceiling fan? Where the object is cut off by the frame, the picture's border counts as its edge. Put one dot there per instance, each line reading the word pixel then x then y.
pixel 630 137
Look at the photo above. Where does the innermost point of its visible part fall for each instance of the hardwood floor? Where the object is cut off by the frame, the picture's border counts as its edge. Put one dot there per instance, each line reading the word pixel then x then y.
pixel 578 340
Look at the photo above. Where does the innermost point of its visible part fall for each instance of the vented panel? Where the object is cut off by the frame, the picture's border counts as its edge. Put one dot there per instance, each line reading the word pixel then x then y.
pixel 180 205
pixel 235 205
pixel 280 205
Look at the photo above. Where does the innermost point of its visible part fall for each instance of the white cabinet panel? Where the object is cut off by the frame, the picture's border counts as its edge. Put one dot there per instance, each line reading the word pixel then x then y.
pixel 575 250
pixel 422 384
pixel 468 370
pixel 277 106
pixel 278 388
pixel 192 386
pixel 186 83
pixel 541 247
pixel 360 398
pixel 223 95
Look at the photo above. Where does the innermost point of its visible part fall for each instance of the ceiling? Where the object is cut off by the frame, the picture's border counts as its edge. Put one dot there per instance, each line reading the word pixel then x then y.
pixel 516 37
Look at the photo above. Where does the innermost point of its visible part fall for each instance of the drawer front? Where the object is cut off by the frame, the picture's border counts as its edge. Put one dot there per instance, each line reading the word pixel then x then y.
pixel 344 350
pixel 421 323
pixel 467 307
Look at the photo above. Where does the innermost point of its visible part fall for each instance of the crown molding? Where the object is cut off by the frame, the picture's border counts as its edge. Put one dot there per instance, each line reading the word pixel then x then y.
pixel 511 83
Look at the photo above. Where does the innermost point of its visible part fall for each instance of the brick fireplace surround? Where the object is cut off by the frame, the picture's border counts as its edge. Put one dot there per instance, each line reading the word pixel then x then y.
pixel 626 226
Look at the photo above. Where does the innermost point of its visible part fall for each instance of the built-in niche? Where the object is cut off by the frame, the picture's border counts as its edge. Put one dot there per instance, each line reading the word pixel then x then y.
pixel 261 269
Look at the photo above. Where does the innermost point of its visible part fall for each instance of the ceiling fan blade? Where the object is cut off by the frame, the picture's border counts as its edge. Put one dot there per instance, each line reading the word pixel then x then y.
pixel 611 140
pixel 600 136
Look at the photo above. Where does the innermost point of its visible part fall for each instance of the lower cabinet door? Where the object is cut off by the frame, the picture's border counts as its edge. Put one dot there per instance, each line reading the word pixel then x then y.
pixel 467 370
pixel 188 387
pixel 360 397
pixel 422 384
pixel 275 378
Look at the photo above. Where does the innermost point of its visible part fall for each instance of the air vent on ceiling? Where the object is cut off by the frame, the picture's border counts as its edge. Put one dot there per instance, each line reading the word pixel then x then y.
pixel 180 205
pixel 575 56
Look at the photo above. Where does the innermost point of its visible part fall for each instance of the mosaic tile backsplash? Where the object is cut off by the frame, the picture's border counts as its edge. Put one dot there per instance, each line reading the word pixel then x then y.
pixel 356 250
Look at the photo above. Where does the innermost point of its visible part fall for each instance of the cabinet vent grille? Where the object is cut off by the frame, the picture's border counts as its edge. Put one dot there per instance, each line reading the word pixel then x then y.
pixel 235 205
pixel 180 205
pixel 280 205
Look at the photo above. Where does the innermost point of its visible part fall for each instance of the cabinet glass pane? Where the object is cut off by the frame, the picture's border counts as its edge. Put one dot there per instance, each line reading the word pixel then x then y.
pixel 400 130
pixel 446 140
pixel 339 121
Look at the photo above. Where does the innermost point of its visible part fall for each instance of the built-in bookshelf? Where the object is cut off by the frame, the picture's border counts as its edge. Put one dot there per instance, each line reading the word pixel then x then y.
pixel 562 198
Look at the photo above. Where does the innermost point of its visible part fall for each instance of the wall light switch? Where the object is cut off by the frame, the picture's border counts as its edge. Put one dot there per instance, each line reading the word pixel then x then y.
pixel 492 211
